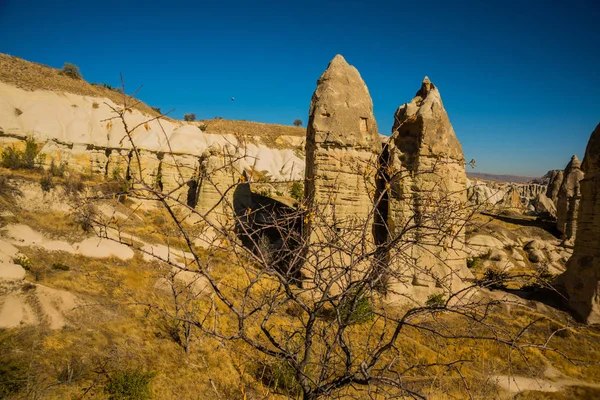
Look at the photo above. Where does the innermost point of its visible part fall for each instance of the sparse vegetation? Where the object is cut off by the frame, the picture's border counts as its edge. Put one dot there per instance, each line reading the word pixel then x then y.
pixel 46 182
pixel 95 105
pixel 189 117
pixel 22 260
pixel 297 191
pixel 28 158
pixel 57 170
pixel 71 70
pixel 131 384
pixel 494 278
pixel 437 300
pixel 18 112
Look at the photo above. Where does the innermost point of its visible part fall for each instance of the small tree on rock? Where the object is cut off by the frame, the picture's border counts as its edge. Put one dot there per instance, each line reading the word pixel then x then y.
pixel 71 70
pixel 189 117
pixel 297 122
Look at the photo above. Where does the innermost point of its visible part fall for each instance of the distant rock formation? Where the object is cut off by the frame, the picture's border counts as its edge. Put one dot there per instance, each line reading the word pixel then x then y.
pixel 529 191
pixel 342 146
pixel 429 187
pixel 554 183
pixel 582 278
pixel 568 200
pixel 544 206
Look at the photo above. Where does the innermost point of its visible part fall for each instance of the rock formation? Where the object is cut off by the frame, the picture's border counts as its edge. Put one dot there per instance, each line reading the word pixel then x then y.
pixel 342 146
pixel 568 200
pixel 582 278
pixel 556 178
pixel 544 206
pixel 428 189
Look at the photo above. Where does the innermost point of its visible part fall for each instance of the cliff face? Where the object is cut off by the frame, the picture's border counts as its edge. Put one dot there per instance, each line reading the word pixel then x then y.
pixel 582 278
pixel 429 187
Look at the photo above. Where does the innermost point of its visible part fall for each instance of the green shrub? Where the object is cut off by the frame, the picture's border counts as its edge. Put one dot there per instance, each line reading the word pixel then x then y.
pixel 157 109
pixel 297 122
pixel 355 307
pixel 46 182
pixel 189 117
pixel 494 278
pixel 203 127
pixel 22 260
pixel 57 170
pixel 473 262
pixel 28 158
pixel 71 70
pixel 13 377
pixel 436 300
pixel 60 267
pixel 129 385
pixel 280 376
pixel 297 191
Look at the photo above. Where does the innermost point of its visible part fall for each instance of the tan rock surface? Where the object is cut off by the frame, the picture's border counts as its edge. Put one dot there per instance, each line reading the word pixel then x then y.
pixel 430 184
pixel 582 277
pixel 567 206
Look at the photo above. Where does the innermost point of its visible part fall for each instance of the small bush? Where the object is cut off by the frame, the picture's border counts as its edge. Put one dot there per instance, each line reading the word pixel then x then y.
pixel 73 185
pixel 157 109
pixel 71 70
pixel 297 122
pixel 297 191
pixel 279 376
pixel 28 286
pixel 436 300
pixel 57 170
pixel 473 262
pixel 22 260
pixel 46 182
pixel 129 385
pixel 203 127
pixel 18 112
pixel 12 377
pixel 189 117
pixel 60 267
pixel 494 278
pixel 95 105
pixel 28 158
pixel 355 307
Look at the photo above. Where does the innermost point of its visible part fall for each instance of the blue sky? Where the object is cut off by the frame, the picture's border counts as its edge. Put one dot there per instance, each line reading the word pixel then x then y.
pixel 520 80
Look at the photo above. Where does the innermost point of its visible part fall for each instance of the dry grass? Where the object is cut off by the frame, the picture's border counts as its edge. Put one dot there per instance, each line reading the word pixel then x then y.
pixel 33 76
pixel 249 128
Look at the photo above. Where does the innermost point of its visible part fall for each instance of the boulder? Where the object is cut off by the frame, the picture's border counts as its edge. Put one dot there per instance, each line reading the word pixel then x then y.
pixel 544 206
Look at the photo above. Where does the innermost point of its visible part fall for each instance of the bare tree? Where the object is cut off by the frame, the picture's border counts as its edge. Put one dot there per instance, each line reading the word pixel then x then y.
pixel 315 300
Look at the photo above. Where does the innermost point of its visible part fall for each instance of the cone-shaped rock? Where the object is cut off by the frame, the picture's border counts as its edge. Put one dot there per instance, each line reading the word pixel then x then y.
pixel 342 145
pixel 582 278
pixel 556 178
pixel 567 205
pixel 429 190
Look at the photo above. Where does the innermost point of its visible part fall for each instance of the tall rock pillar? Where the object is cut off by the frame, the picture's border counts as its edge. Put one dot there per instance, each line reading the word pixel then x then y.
pixel 568 200
pixel 428 195
pixel 342 146
pixel 582 277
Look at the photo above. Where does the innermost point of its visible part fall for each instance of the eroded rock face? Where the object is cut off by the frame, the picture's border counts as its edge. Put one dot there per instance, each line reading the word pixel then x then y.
pixel 556 178
pixel 428 187
pixel 582 278
pixel 568 200
pixel 342 146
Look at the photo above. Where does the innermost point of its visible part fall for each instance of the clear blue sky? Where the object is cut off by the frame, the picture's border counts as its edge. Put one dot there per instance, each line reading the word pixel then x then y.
pixel 519 79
